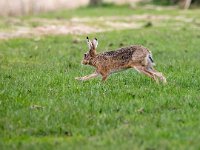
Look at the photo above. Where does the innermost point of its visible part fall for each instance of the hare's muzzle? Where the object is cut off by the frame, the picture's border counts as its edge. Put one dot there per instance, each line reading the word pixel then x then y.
pixel 85 62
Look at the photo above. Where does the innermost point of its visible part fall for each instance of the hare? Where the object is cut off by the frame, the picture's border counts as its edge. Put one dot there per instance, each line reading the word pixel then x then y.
pixel 136 56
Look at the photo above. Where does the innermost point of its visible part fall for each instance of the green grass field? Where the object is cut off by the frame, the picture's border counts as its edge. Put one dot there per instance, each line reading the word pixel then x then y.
pixel 42 106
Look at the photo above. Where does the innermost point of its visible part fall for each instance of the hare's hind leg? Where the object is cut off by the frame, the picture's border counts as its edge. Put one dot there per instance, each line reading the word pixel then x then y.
pixel 93 75
pixel 158 74
pixel 146 72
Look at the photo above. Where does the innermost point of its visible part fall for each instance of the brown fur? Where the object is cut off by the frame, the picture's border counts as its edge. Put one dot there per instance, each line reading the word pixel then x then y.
pixel 137 57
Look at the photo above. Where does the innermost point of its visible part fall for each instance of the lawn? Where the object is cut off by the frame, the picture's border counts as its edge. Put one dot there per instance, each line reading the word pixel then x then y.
pixel 42 106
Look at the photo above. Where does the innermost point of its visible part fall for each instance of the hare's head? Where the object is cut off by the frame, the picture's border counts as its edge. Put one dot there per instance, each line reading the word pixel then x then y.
pixel 92 45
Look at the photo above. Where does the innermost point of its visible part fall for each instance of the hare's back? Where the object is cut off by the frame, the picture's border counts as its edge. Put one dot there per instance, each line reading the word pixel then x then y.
pixel 127 52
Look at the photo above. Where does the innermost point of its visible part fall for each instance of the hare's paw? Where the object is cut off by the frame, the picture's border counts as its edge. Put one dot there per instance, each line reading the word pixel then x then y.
pixel 79 78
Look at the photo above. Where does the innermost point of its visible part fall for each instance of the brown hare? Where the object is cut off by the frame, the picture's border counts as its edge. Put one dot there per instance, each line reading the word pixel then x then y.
pixel 136 56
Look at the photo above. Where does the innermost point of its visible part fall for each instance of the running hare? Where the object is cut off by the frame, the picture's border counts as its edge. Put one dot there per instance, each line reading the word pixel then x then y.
pixel 135 56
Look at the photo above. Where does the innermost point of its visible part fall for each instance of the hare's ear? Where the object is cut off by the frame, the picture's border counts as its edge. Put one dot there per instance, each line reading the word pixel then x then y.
pixel 95 43
pixel 89 43
pixel 91 46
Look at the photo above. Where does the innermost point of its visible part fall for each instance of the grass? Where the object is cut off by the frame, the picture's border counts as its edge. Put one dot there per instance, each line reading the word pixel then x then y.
pixel 111 10
pixel 43 107
pixel 12 23
pixel 97 12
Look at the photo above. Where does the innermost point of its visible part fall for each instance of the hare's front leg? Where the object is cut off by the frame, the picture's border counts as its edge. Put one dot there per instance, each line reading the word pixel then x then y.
pixel 93 75
pixel 104 74
pixel 104 77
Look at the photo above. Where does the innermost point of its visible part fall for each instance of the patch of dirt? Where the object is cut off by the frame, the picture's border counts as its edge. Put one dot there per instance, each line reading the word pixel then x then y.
pixel 86 25
pixel 48 30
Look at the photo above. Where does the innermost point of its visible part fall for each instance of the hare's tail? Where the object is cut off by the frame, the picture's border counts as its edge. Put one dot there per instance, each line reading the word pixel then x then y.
pixel 150 60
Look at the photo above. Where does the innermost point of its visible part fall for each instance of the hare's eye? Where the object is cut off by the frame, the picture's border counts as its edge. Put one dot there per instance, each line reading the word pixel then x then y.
pixel 84 55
